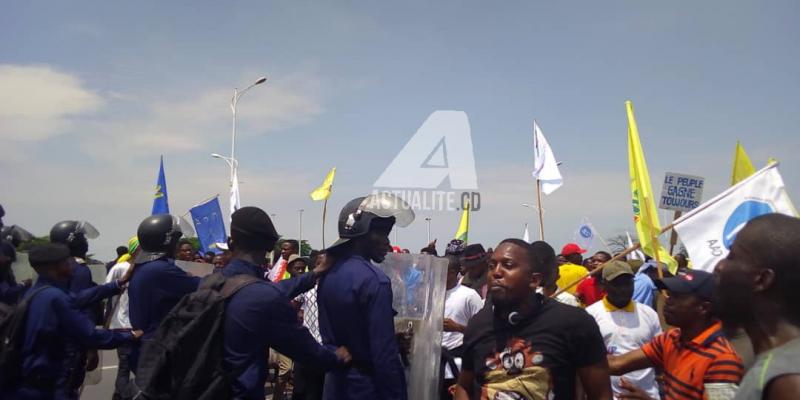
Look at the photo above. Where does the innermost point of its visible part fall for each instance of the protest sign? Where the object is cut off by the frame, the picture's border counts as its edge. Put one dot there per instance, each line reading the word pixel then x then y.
pixel 681 192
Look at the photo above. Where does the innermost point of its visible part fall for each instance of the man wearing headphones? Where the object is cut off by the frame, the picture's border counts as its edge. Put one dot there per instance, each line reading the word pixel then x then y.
pixel 527 345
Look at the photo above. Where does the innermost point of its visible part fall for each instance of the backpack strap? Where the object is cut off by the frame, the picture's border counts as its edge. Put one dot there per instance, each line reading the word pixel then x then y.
pixel 236 282
pixel 29 296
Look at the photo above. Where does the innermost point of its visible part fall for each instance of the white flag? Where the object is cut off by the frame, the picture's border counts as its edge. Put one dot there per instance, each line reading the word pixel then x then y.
pixel 545 167
pixel 584 235
pixel 526 236
pixel 709 230
pixel 636 254
pixel 235 192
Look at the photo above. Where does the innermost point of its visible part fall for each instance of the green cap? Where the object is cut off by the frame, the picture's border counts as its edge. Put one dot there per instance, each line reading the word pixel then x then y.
pixel 616 269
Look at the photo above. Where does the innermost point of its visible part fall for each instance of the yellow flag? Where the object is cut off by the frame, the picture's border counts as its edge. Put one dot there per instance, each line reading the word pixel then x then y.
pixel 645 214
pixel 463 226
pixel 324 190
pixel 742 167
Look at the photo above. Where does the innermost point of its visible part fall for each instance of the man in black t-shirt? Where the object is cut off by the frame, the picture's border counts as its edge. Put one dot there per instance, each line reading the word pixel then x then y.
pixel 527 346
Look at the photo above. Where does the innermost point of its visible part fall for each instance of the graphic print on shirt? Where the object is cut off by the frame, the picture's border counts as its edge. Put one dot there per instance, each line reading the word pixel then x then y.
pixel 516 373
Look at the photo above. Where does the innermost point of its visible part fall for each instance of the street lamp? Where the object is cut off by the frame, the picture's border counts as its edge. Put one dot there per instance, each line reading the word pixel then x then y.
pixel 234 102
pixel 428 221
pixel 231 162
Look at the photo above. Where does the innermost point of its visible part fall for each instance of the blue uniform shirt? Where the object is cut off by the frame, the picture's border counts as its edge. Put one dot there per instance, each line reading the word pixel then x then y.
pixel 355 311
pixel 258 317
pixel 81 276
pixel 55 329
pixel 155 288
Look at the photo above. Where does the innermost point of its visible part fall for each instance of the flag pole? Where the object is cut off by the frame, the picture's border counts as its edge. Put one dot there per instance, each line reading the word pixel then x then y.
pixel 539 207
pixel 324 214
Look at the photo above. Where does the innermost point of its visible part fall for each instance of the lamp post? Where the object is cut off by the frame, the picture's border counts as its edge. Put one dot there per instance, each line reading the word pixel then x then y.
pixel 428 221
pixel 234 102
pixel 541 212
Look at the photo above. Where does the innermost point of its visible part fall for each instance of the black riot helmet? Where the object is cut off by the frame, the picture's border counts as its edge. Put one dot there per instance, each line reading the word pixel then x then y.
pixel 358 214
pixel 158 237
pixel 74 234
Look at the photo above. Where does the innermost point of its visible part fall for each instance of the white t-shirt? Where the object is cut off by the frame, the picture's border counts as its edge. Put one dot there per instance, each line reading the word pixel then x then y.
pixel 625 331
pixel 121 318
pixel 460 304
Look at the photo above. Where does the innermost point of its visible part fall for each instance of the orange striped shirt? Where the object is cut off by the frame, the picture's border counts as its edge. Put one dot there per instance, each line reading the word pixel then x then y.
pixel 708 358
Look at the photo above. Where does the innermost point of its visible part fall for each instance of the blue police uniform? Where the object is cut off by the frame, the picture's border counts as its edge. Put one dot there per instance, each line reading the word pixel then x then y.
pixel 155 288
pixel 355 311
pixel 81 276
pixel 258 317
pixel 56 331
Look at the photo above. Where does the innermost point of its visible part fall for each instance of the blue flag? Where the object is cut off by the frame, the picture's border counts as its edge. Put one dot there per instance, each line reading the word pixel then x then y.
pixel 208 224
pixel 160 203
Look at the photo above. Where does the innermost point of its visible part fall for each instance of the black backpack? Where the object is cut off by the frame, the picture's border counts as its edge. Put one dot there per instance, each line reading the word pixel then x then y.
pixel 183 360
pixel 12 336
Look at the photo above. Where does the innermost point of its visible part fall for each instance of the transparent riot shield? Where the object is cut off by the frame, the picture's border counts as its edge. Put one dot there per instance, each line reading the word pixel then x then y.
pixel 418 286
pixel 195 268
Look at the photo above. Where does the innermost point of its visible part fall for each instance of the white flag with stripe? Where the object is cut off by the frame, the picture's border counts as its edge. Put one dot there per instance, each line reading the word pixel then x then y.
pixel 709 230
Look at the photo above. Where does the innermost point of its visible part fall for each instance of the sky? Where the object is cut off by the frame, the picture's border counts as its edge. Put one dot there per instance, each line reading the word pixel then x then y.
pixel 92 93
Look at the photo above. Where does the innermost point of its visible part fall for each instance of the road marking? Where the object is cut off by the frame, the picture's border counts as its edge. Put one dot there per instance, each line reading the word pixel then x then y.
pixel 110 367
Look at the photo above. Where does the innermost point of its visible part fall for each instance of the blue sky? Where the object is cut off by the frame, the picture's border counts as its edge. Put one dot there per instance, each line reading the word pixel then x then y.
pixel 91 93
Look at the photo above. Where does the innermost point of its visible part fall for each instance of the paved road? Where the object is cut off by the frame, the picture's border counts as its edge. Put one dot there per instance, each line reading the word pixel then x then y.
pixel 105 388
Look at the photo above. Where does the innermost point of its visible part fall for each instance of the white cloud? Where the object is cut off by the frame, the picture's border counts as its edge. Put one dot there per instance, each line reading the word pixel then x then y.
pixel 195 120
pixel 38 102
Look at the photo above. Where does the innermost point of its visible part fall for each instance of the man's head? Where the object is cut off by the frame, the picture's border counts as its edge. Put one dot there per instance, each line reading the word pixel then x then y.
pixel 252 231
pixel 365 223
pixel 514 273
pixel 545 256
pixel 474 260
pixel 50 260
pixel 760 276
pixel 218 261
pixel 572 253
pixel 560 260
pixel 185 250
pixel 73 234
pixel 296 265
pixel 598 259
pixel 455 247
pixel 121 251
pixel 618 282
pixel 289 247
pixel 690 298
pixel 453 269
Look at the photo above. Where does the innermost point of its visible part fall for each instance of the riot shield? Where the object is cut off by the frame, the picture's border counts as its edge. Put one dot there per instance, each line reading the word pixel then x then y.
pixel 418 287
pixel 195 268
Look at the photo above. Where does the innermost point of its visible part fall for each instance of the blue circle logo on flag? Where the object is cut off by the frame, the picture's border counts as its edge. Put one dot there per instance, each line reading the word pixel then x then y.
pixel 586 232
pixel 740 216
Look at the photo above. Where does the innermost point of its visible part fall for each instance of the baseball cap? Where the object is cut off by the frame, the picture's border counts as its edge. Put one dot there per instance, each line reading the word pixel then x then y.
pixel 572 248
pixel 699 283
pixel 616 269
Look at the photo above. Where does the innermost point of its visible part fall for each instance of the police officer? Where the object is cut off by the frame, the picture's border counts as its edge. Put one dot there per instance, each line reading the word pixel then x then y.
pixel 10 289
pixel 355 301
pixel 54 327
pixel 74 235
pixel 259 315
pixel 157 284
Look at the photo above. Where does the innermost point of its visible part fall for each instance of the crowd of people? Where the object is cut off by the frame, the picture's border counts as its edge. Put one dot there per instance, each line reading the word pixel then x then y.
pixel 521 321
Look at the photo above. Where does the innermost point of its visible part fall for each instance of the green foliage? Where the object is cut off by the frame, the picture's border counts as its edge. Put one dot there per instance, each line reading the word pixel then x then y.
pixel 25 246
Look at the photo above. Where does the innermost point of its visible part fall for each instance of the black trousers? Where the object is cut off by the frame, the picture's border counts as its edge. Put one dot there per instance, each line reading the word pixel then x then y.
pixel 308 382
